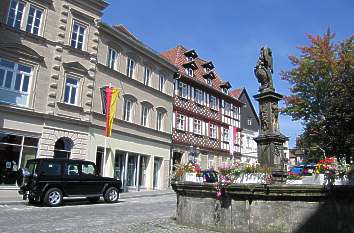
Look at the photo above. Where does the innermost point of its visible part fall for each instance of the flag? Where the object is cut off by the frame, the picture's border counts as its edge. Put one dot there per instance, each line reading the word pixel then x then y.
pixel 112 94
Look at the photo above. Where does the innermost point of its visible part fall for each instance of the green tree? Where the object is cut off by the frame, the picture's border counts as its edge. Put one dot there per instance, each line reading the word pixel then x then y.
pixel 322 94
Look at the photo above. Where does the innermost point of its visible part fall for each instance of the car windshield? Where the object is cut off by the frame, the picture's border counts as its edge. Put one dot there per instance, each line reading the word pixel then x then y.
pixel 31 166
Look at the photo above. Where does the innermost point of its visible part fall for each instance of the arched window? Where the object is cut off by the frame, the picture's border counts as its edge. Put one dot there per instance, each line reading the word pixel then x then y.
pixel 62 149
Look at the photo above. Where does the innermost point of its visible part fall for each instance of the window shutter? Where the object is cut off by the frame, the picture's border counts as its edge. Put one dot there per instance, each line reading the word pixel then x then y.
pixel 192 93
pixel 191 122
pixel 203 128
pixel 174 120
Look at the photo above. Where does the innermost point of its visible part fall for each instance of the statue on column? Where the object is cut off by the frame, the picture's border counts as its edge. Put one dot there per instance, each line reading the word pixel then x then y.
pixel 264 68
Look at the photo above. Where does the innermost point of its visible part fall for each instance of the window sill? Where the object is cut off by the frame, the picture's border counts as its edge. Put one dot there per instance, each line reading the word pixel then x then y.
pixel 77 51
pixel 70 106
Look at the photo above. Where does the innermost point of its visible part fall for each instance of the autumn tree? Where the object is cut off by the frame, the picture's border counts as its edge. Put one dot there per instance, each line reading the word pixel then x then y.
pixel 322 94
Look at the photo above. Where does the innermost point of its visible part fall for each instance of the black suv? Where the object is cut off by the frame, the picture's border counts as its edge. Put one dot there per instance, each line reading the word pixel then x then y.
pixel 49 180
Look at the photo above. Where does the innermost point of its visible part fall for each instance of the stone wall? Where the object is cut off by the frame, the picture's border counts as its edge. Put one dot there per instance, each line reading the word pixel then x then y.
pixel 267 209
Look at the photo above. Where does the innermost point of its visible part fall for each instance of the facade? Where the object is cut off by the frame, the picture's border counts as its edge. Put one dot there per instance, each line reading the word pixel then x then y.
pixel 250 126
pixel 54 58
pixel 139 150
pixel 206 119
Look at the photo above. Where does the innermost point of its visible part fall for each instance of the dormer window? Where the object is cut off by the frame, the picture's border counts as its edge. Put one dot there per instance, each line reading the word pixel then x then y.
pixel 189 58
pixel 190 72
pixel 225 87
pixel 209 82
pixel 191 54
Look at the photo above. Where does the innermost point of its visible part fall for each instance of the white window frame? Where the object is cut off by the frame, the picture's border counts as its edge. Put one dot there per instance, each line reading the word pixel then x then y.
pixel 112 58
pixel 147 75
pixel 183 89
pixel 180 121
pixel 15 72
pixel 16 13
pixel 209 82
pixel 213 131
pixel 213 102
pixel 197 126
pixel 190 72
pixel 127 110
pixel 249 121
pixel 198 96
pixel 227 108
pixel 225 90
pixel 130 67
pixel 145 111
pixel 162 83
pixel 225 135
pixel 71 87
pixel 159 120
pixel 76 40
pixel 37 9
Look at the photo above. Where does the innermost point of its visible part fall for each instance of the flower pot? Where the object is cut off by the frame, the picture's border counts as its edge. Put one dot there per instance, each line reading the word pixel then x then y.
pixel 190 177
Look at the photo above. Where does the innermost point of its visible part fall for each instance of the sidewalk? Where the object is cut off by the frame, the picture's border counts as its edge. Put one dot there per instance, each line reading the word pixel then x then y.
pixel 13 196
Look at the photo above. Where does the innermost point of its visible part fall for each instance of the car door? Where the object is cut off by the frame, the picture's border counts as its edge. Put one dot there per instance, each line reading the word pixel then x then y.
pixel 71 179
pixel 92 183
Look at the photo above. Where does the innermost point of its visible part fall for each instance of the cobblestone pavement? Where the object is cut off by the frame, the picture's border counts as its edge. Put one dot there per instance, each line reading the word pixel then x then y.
pixel 144 213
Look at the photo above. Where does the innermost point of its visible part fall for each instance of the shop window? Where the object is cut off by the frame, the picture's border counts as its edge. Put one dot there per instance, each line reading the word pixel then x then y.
pixel 15 151
pixel 63 148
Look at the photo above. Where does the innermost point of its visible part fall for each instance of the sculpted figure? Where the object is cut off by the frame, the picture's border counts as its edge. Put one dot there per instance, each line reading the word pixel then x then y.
pixel 264 116
pixel 264 68
pixel 275 115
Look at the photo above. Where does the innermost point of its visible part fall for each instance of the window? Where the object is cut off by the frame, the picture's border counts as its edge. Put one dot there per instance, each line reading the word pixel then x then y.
pixel 72 169
pixel 189 58
pixel 197 126
pixel 130 68
pixel 190 72
pixel 227 109
pixel 159 119
pixel 198 96
pixel 161 83
pixel 213 131
pixel 209 82
pixel 248 142
pixel 225 90
pixel 50 168
pixel 71 91
pixel 78 36
pixel 213 103
pixel 14 82
pixel 127 110
pixel 34 20
pixel 183 89
pixel 147 74
pixel 180 122
pixel 145 115
pixel 225 135
pixel 112 59
pixel 15 14
pixel 88 169
pixel 249 121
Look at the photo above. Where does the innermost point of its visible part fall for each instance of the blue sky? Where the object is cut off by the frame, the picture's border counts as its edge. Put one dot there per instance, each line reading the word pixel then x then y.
pixel 230 33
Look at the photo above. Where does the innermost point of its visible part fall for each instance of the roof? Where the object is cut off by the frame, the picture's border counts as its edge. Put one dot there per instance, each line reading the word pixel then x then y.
pixel 124 29
pixel 177 57
pixel 236 93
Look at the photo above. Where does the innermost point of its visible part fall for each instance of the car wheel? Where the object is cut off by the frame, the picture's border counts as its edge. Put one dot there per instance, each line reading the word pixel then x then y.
pixel 93 199
pixel 53 197
pixel 111 195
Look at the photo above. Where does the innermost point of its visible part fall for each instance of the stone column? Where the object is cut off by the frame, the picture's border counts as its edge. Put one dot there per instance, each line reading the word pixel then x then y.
pixel 270 141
